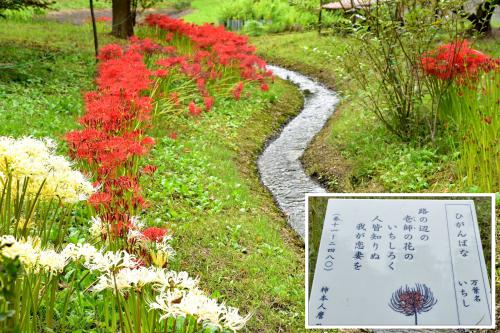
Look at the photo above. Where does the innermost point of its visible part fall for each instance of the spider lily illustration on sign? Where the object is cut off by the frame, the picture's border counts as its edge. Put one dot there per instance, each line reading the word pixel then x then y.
pixel 412 301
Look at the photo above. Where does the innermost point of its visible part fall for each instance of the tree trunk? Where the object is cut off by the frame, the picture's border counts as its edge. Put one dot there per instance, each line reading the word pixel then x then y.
pixel 481 20
pixel 123 20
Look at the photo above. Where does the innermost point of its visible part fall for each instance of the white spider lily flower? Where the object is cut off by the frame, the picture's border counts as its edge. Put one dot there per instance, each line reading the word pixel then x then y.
pixel 31 256
pixel 83 251
pixel 110 261
pixel 96 227
pixel 25 251
pixel 133 234
pixel 233 320
pixel 36 160
pixel 196 303
pixel 7 240
pixel 171 279
pixel 52 261
pixel 126 278
pixel 166 302
pixel 136 223
pixel 206 310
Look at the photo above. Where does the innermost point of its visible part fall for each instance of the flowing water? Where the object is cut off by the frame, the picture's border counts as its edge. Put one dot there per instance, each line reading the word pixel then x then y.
pixel 279 165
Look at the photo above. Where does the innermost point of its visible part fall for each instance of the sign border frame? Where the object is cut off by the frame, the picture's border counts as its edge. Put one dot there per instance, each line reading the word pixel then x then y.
pixel 395 195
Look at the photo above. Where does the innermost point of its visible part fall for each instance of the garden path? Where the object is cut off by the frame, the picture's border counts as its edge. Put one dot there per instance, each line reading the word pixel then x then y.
pixel 279 165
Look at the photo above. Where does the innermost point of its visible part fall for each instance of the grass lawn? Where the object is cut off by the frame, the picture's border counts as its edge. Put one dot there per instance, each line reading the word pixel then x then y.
pixel 354 152
pixel 79 4
pixel 205 11
pixel 44 69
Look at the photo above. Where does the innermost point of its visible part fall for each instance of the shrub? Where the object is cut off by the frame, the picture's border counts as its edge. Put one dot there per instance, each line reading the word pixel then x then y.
pixel 391 41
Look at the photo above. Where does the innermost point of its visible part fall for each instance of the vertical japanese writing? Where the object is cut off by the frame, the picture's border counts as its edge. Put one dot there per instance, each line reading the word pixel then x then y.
pixel 423 227
pixel 463 291
pixel 323 299
pixel 391 255
pixel 359 245
pixel 408 246
pixel 461 238
pixel 330 251
pixel 475 290
pixel 376 237
pixel 469 291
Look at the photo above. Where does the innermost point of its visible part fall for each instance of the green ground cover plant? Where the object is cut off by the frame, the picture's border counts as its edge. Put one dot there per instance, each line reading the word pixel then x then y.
pixel 205 11
pixel 45 68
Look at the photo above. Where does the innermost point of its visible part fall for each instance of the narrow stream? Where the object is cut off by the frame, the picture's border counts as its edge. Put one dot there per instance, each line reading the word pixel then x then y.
pixel 279 166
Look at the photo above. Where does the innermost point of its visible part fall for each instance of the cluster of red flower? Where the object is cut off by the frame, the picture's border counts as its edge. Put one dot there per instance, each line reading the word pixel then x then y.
pixel 214 50
pixel 113 137
pixel 457 60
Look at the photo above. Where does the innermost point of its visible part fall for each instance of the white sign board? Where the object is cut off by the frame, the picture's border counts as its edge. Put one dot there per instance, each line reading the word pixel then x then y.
pixel 388 262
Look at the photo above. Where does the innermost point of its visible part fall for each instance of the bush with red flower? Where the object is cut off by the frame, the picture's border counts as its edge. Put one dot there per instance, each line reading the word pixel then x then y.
pixel 456 60
pixel 464 84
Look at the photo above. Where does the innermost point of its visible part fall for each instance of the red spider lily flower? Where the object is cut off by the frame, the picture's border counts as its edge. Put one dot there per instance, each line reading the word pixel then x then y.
pixel 148 141
pixel 201 55
pixel 215 46
pixel 169 49
pixel 173 135
pixel 200 83
pixel 264 87
pixel 118 112
pixel 112 137
pixel 455 60
pixel 161 73
pixel 237 90
pixel 112 113
pixel 144 46
pixel 169 36
pixel 154 234
pixel 209 103
pixel 168 62
pixel 175 98
pixel 193 109
pixel 149 169
pixel 126 75
pixel 100 198
pixel 103 19
pixel 110 51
